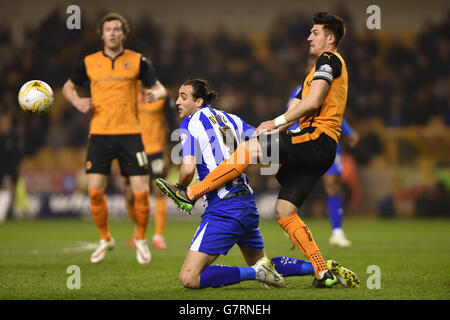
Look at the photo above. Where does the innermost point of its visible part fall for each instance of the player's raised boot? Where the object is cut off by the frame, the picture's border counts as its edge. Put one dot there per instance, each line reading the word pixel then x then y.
pixel 340 240
pixel 158 242
pixel 143 255
pixel 328 280
pixel 99 254
pixel 177 193
pixel 266 273
pixel 346 277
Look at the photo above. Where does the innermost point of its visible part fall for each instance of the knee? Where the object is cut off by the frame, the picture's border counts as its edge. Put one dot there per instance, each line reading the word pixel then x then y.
pixel 281 214
pixel 96 196
pixel 139 183
pixel 278 215
pixel 189 280
pixel 284 208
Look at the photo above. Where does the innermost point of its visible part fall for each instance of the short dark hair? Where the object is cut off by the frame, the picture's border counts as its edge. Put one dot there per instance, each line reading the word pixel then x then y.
pixel 331 23
pixel 201 89
pixel 110 17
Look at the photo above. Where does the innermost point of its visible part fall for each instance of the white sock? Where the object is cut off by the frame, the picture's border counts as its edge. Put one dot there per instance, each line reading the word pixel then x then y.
pixel 158 237
pixel 260 275
pixel 337 232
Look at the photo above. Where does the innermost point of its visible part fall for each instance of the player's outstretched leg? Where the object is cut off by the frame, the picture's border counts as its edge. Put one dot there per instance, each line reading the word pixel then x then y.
pixel 346 277
pixel 302 238
pixel 177 193
pixel 228 170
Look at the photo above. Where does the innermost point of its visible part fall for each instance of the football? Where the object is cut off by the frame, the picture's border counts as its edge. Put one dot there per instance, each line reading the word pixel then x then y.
pixel 36 97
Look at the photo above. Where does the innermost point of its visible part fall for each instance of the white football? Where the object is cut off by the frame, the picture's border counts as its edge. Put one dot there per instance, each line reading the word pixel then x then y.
pixel 36 97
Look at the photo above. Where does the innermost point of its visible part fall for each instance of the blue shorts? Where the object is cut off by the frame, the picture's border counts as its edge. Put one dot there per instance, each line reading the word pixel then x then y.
pixel 336 167
pixel 232 222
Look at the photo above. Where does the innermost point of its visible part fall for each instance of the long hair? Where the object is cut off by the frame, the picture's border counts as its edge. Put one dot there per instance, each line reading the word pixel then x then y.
pixel 201 89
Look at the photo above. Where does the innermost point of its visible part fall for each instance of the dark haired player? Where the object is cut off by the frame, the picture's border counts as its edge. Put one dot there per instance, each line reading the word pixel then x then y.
pixel 304 156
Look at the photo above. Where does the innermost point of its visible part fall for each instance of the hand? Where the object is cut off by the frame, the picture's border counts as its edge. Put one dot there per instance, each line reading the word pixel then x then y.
pixel 353 139
pixel 265 127
pixel 149 95
pixel 83 105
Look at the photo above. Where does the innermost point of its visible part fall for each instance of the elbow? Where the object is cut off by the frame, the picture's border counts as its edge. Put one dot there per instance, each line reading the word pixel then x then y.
pixel 314 105
pixel 162 90
pixel 67 89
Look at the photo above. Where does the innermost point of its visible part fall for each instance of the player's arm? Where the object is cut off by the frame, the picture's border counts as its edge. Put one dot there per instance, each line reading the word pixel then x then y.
pixel 70 90
pixel 155 92
pixel 187 171
pixel 314 99
pixel 153 89
pixel 328 67
pixel 296 93
pixel 298 108
pixel 189 149
pixel 289 124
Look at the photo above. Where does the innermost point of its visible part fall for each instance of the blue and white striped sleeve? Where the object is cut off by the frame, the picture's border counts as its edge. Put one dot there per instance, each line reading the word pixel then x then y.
pixel 187 139
pixel 247 131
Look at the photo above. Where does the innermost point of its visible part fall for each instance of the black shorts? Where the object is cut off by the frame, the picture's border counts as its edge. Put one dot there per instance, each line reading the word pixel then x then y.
pixel 156 165
pixel 126 148
pixel 302 164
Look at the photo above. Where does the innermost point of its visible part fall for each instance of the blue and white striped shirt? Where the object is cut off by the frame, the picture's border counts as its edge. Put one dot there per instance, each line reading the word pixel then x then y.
pixel 211 136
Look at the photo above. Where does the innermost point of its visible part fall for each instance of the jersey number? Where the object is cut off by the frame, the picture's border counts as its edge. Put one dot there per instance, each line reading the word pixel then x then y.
pixel 228 138
pixel 141 158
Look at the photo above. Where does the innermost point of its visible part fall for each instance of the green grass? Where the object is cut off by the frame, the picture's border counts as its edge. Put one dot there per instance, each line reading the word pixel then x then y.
pixel 413 257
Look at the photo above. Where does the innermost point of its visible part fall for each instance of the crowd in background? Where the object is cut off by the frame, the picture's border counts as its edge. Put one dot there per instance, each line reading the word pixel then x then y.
pixel 401 81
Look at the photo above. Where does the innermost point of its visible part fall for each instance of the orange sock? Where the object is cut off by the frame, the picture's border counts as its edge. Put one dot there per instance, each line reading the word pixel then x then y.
pixel 302 238
pixel 142 210
pixel 228 170
pixel 99 212
pixel 160 215
pixel 131 212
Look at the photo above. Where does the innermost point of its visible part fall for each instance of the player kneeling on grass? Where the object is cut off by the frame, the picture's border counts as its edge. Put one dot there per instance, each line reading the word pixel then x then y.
pixel 209 136
pixel 304 155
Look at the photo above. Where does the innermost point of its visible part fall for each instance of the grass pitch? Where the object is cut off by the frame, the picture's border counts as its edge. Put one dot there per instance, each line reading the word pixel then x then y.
pixel 412 256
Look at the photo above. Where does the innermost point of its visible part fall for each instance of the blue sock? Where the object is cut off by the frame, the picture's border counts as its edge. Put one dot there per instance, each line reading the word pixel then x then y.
pixel 292 267
pixel 335 211
pixel 218 275
pixel 247 273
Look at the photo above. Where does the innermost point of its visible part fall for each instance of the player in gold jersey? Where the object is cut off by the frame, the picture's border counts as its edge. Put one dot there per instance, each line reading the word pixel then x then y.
pixel 305 154
pixel 115 132
pixel 157 120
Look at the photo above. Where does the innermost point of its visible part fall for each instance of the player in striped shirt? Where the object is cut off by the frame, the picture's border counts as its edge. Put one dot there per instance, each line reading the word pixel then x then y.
pixel 209 136
pixel 305 155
